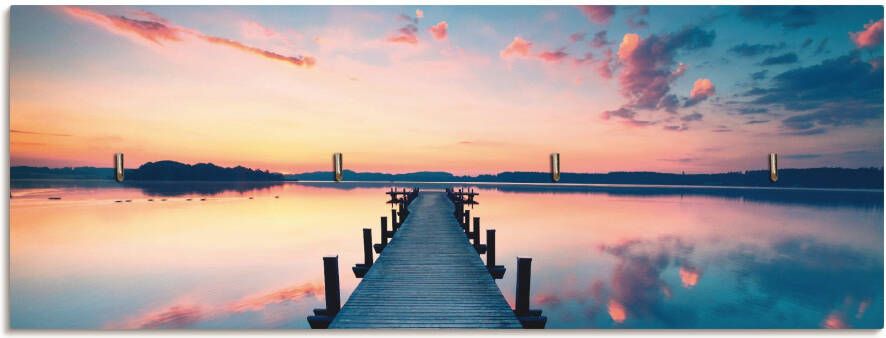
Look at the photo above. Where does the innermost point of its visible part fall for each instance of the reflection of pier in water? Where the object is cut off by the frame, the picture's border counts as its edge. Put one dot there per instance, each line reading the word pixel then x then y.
pixel 429 274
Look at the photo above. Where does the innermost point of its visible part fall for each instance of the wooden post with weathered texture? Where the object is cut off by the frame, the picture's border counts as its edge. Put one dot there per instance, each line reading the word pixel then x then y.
pixel 394 224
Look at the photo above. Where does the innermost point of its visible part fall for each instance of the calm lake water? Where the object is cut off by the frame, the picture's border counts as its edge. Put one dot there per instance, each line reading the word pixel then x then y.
pixel 250 255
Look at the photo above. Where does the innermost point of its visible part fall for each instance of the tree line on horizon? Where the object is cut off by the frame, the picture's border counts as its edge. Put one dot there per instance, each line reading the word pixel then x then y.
pixel 860 178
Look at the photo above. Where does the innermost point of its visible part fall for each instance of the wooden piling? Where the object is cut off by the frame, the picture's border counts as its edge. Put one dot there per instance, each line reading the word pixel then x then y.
pixel 530 319
pixel 475 235
pixel 497 271
pixel 385 234
pixel 367 246
pixel 466 222
pixel 330 281
pixel 524 275
pixel 322 317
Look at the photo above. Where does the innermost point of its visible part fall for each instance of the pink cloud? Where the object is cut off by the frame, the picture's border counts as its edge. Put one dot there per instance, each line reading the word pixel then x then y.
pixel 419 13
pixel 440 30
pixel 407 34
pixel 260 301
pixel 553 56
pixel 518 47
pixel 173 317
pixel 254 30
pixel 871 35
pixel 598 14
pixel 188 313
pixel 577 36
pixel 647 68
pixel 156 30
pixel 153 31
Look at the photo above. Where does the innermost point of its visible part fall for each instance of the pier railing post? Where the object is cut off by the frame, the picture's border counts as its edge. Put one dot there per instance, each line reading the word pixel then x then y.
pixel 367 246
pixel 384 231
pixel 490 249
pixel 330 280
pixel 394 224
pixel 530 319
pixel 385 234
pixel 323 317
pixel 497 271
pixel 524 275
pixel 476 236
pixel 466 222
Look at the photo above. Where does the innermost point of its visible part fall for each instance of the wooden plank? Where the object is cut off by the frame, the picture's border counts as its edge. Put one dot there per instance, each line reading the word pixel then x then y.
pixel 428 276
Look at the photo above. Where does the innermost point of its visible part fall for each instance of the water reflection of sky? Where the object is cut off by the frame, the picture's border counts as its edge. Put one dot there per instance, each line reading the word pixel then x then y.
pixel 624 259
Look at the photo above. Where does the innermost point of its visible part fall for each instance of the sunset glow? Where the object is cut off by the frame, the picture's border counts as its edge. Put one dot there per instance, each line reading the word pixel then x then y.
pixel 458 89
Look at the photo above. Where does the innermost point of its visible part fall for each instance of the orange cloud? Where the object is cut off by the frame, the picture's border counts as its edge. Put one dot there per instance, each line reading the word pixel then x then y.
pixel 834 321
pixel 689 276
pixel 517 47
pixel 702 88
pixel 617 311
pixel 629 44
pixel 156 29
pixel 440 30
pixel 871 35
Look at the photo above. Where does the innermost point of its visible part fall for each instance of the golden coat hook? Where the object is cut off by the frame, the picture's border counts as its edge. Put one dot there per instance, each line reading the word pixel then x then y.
pixel 118 167
pixel 337 167
pixel 773 167
pixel 555 167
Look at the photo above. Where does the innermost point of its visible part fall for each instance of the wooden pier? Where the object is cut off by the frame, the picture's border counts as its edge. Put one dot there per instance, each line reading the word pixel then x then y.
pixel 429 275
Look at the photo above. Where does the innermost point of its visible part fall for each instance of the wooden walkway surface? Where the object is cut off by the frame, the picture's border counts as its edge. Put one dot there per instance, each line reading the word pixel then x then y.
pixel 428 276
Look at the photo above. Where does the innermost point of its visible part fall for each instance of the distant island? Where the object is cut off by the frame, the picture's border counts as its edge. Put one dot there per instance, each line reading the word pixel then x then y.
pixel 842 178
pixel 151 171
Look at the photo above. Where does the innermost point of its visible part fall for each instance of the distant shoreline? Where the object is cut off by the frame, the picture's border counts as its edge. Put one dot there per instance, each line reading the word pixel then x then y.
pixel 529 184
pixel 820 178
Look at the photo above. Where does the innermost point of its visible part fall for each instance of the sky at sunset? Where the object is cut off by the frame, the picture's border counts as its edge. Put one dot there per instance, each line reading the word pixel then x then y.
pixel 467 90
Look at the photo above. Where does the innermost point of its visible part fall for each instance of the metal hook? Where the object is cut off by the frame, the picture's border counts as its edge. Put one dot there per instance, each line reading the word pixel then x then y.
pixel 555 167
pixel 118 167
pixel 773 167
pixel 337 167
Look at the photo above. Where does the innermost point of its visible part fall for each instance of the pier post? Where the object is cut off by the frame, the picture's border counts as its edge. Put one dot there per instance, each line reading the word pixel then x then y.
pixel 497 271
pixel 322 317
pixel 524 275
pixel 466 222
pixel 359 269
pixel 490 249
pixel 367 246
pixel 530 319
pixel 330 280
pixel 476 234
pixel 385 234
pixel 394 224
